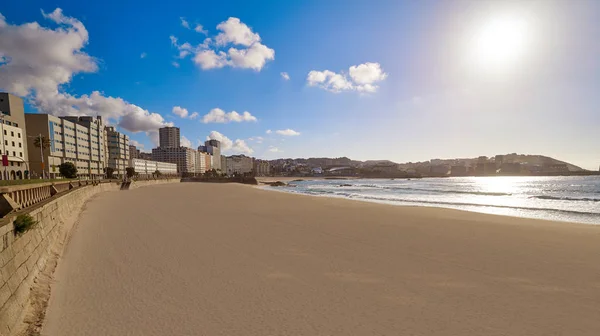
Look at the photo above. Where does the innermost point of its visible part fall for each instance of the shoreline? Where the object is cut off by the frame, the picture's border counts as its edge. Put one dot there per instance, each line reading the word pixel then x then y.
pixel 466 207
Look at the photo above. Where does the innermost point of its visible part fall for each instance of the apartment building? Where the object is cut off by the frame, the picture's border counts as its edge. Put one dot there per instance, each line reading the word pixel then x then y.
pixel 13 134
pixel 239 164
pixel 79 140
pixel 169 137
pixel 261 167
pixel 213 147
pixel 118 150
pixel 201 161
pixel 185 158
pixel 147 168
pixel 134 153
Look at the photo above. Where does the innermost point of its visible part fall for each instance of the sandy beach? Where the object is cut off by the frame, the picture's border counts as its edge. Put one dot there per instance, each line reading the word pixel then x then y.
pixel 228 259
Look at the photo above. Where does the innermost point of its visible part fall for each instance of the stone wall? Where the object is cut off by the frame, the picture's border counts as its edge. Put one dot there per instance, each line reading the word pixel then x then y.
pixel 23 257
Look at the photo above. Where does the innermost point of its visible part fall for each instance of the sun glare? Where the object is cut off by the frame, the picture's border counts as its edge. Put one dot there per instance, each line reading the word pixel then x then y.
pixel 501 43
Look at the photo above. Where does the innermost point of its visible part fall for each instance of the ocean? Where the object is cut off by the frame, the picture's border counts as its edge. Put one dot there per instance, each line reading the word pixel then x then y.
pixel 571 199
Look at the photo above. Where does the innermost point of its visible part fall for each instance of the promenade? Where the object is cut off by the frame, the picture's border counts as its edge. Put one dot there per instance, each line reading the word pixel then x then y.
pixel 229 259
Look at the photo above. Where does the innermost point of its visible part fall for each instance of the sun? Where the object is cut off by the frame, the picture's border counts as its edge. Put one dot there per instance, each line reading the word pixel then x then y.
pixel 500 43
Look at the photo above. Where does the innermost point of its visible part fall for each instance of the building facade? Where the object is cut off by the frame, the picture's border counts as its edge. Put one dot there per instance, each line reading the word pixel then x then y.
pixel 185 158
pixel 261 167
pixel 238 164
pixel 148 168
pixel 169 137
pixel 79 140
pixel 118 151
pixel 213 147
pixel 14 138
pixel 134 153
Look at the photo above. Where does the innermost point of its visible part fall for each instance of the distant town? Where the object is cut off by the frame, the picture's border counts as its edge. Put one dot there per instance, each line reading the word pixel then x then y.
pixel 35 145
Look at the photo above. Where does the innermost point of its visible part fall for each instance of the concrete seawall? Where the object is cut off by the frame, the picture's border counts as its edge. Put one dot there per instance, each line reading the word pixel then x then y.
pixel 24 257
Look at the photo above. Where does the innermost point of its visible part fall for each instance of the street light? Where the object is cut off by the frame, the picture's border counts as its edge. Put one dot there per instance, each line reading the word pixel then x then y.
pixel 3 142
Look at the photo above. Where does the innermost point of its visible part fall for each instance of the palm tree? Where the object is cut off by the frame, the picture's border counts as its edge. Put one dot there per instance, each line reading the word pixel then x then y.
pixel 42 143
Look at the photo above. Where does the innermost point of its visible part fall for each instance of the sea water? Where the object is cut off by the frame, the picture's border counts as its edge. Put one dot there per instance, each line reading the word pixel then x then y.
pixel 572 198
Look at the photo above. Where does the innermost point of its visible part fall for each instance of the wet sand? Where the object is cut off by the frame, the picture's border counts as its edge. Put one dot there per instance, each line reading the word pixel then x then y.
pixel 228 259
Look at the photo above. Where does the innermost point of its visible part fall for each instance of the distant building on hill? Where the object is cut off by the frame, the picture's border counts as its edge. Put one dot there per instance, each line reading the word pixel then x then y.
pixel 439 169
pixel 458 170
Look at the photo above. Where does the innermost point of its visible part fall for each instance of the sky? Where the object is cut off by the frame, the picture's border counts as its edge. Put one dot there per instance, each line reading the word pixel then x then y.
pixel 400 80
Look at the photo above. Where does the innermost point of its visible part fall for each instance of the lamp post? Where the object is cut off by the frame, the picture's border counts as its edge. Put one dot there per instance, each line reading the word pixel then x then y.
pixel 3 142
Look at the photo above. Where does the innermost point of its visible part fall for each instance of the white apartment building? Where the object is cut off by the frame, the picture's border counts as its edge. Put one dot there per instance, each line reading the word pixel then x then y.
pixel 213 147
pixel 79 140
pixel 201 162
pixel 185 158
pixel 147 167
pixel 238 164
pixel 13 135
pixel 118 150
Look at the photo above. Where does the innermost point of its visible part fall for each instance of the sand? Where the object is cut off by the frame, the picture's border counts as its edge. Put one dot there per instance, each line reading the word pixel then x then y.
pixel 216 259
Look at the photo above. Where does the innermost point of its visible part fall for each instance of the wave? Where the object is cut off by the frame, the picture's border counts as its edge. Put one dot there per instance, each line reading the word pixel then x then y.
pixel 478 205
pixel 584 199
pixel 483 193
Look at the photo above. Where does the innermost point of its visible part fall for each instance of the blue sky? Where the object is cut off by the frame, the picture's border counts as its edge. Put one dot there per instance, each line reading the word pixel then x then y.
pixel 427 82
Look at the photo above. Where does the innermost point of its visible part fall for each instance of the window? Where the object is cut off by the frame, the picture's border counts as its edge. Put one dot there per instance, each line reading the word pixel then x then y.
pixel 12 163
pixel 12 133
pixel 15 124
pixel 18 164
pixel 19 135
pixel 21 154
pixel 14 153
pixel 13 143
pixel 19 145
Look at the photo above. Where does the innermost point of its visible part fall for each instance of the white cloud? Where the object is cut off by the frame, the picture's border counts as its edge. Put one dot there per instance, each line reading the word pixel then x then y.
pixel 175 64
pixel 183 113
pixel 287 132
pixel 285 76
pixel 38 61
pixel 236 32
pixel 257 139
pixel 361 78
pixel 237 146
pixel 217 115
pixel 268 131
pixel 36 58
pixel 274 149
pixel 185 142
pixel 367 73
pixel 136 143
pixel 200 29
pixel 208 59
pixel 180 111
pixel 220 52
pixel 143 55
pixel 184 23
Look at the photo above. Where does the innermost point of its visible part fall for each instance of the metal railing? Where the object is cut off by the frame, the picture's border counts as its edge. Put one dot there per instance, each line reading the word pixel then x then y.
pixel 18 197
